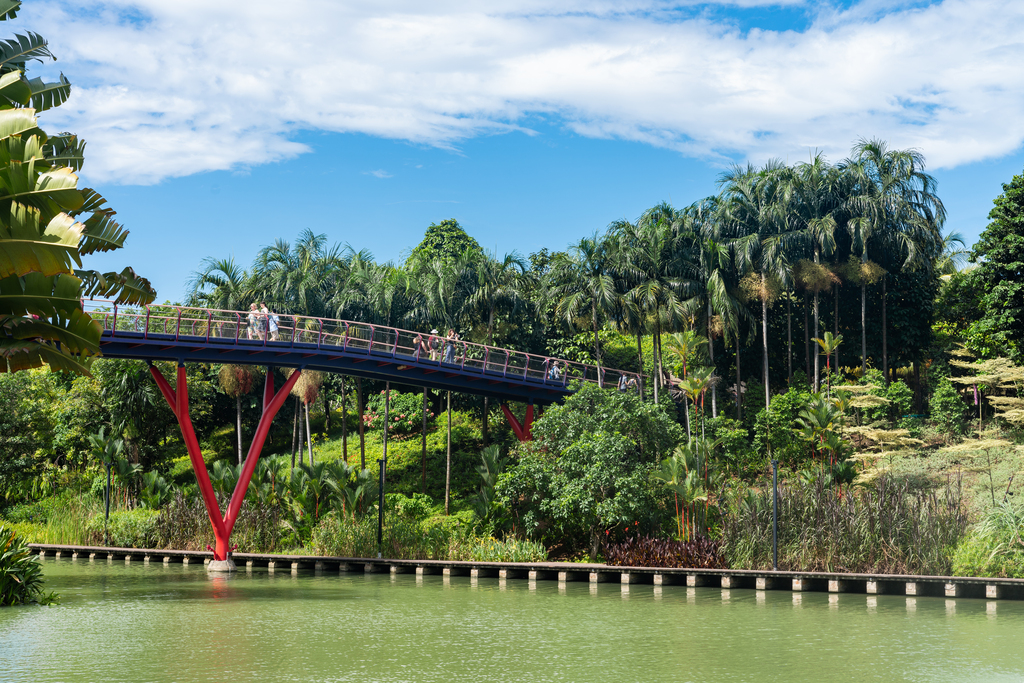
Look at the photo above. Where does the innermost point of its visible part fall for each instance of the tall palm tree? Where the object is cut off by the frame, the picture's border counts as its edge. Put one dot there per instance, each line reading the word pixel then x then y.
pixel 220 284
pixel 650 258
pixel 582 283
pixel 754 212
pixel 896 202
pixel 817 202
pixel 498 287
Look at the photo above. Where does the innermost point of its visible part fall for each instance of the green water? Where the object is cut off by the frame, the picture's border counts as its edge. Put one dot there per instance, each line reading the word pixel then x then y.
pixel 172 623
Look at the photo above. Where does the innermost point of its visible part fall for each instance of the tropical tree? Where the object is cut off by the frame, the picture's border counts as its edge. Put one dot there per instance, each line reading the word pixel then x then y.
pixel 237 381
pixel 220 284
pixel 895 201
pixel 584 287
pixel 753 211
pixel 47 224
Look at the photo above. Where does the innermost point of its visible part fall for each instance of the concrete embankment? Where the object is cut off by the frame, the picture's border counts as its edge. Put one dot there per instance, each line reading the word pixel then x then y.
pixel 873 584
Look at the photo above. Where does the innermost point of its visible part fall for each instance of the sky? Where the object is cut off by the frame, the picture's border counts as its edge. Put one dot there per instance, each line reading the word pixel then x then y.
pixel 216 128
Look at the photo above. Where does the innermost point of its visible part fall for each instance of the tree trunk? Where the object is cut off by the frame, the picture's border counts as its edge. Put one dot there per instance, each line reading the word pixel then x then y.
pixel 764 334
pixel 739 392
pixel 885 337
pixel 640 363
pixel 863 329
pixel 816 384
pixel 595 544
pixel 309 436
pixel 302 450
pixel 597 344
pixel 448 459
pixel 807 341
pixel 711 356
pixel 917 387
pixel 423 484
pixel 362 425
pixel 344 421
pixel 835 324
pixel 238 427
pixel 485 421
pixel 789 335
pixel 295 431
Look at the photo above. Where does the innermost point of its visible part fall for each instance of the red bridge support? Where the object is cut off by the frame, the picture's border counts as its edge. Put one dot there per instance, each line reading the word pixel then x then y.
pixel 178 400
pixel 522 431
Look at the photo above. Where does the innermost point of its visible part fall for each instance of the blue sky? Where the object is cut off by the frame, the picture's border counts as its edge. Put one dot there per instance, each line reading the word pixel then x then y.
pixel 215 131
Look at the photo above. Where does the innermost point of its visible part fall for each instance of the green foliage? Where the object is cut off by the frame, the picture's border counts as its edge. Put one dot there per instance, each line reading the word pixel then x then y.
pixel 127 529
pixel 405 413
pixel 21 575
pixel 589 467
pixel 996 544
pixel 999 254
pixel 445 240
pixel 776 434
pixel 885 529
pixel 947 409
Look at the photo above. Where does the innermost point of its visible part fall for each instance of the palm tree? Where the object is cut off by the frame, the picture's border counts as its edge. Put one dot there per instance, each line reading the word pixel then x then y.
pixel 754 204
pixel 648 255
pixel 829 343
pixel 817 201
pixel 497 288
pixel 220 284
pixel 894 200
pixel 582 283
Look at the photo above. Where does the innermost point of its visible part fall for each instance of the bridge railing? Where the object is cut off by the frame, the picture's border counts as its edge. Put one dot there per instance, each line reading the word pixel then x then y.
pixel 240 328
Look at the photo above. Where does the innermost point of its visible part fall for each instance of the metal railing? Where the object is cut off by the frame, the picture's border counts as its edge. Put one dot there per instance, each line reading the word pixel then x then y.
pixel 248 330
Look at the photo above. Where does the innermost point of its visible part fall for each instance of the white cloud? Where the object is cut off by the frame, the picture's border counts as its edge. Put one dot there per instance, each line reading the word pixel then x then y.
pixel 379 173
pixel 167 89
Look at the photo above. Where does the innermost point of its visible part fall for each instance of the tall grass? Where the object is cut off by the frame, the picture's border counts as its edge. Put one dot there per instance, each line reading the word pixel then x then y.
pixel 887 529
pixel 407 539
pixel 996 546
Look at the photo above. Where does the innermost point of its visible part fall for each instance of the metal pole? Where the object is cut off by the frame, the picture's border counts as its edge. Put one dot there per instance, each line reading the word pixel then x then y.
pixel 106 517
pixel 383 463
pixel 380 508
pixel 775 515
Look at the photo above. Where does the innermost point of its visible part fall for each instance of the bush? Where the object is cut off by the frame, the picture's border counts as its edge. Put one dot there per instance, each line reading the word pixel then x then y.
pixel 778 433
pixel 508 550
pixel 405 413
pixel 888 529
pixel 995 548
pixel 21 576
pixel 126 529
pixel 947 408
pixel 38 512
pixel 645 551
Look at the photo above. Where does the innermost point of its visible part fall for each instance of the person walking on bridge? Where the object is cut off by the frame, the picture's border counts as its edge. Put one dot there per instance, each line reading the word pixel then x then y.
pixel 253 319
pixel 449 349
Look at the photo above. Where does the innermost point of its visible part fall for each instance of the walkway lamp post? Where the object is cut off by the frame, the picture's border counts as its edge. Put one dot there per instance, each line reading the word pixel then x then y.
pixel 775 514
pixel 106 502
pixel 383 464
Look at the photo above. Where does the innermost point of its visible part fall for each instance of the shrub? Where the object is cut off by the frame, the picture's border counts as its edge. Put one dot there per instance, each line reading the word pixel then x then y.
pixel 126 529
pixel 996 546
pixel 947 408
pixel 508 550
pixel 21 576
pixel 699 552
pixel 778 433
pixel 405 413
pixel 887 529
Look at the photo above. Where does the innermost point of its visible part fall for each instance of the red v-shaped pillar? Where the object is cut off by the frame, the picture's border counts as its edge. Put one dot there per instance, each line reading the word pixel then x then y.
pixel 522 431
pixel 178 400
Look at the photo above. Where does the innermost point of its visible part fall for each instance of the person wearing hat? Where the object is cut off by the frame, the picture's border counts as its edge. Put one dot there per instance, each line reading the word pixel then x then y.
pixel 434 344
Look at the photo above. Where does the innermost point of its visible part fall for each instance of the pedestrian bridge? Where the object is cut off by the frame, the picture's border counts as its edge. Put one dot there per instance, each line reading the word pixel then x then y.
pixel 356 349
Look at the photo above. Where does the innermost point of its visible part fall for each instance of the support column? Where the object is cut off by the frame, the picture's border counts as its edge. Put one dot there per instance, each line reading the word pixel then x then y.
pixel 522 431
pixel 177 398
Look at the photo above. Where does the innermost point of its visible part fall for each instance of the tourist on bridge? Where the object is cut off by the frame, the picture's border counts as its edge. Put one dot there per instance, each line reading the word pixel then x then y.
pixel 449 349
pixel 554 372
pixel 253 330
pixel 623 384
pixel 434 343
pixel 271 321
pixel 420 346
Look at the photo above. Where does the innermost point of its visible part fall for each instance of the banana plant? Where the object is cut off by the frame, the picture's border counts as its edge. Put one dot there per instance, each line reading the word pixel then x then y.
pixel 47 224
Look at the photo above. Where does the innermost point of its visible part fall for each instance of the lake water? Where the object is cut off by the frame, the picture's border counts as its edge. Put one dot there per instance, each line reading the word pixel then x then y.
pixel 172 623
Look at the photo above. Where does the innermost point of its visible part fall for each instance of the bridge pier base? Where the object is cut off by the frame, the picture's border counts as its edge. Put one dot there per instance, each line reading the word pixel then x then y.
pixel 177 398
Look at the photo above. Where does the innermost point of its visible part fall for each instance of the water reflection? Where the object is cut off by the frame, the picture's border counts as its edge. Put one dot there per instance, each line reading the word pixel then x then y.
pixel 179 623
